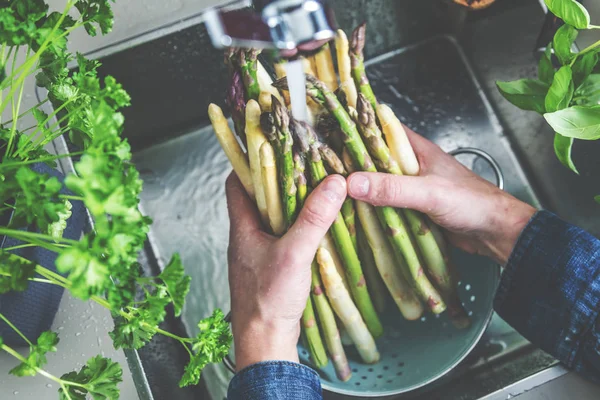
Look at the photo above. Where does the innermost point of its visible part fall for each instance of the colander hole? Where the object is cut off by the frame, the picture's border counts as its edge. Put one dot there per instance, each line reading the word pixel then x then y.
pixel 401 364
pixel 304 352
pixel 357 383
pixel 389 381
pixel 399 373
pixel 385 368
pixel 379 376
pixel 354 370
pixel 468 287
pixel 370 369
pixel 472 299
pixel 363 378
pixel 394 355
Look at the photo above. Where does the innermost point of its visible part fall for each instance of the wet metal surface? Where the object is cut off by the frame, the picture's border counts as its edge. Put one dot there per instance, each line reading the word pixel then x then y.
pixel 184 181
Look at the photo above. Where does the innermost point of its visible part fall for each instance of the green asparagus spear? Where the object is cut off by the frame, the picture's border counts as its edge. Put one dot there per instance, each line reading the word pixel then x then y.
pixel 357 61
pixel 286 160
pixel 312 335
pixel 306 138
pixel 389 218
pixel 248 60
pixel 432 255
pixel 377 288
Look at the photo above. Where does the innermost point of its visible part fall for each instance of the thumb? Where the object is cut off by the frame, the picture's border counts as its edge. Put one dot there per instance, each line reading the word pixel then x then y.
pixel 320 210
pixel 414 192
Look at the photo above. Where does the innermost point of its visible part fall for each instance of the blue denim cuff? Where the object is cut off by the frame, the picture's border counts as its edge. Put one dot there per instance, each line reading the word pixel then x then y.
pixel 550 289
pixel 275 380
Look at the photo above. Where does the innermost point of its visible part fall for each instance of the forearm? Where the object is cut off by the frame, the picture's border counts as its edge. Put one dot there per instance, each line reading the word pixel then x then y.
pixel 550 292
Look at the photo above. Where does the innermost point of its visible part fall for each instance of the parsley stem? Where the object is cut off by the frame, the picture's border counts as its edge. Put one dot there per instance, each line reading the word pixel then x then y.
pixel 14 328
pixel 12 104
pixel 16 112
pixel 28 111
pixel 17 234
pixel 40 160
pixel 70 197
pixel 40 371
pixel 30 62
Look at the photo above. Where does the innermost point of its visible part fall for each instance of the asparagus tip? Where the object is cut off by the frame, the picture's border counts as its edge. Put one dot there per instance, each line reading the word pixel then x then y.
pixel 357 41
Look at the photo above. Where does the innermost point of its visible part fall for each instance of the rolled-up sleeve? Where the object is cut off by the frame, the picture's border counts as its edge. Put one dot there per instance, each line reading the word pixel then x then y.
pixel 275 380
pixel 550 292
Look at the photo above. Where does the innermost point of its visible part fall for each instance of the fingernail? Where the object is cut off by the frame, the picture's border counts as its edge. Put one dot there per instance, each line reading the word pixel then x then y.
pixel 359 185
pixel 334 189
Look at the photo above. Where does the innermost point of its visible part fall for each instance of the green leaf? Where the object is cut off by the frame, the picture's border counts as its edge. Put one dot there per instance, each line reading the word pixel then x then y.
pixel 589 92
pixel 211 345
pixel 36 359
pixel 57 228
pixel 88 273
pixel 527 94
pixel 579 122
pixel 563 43
pixel 570 11
pixel 178 284
pixel 563 147
pixel 100 378
pixel 545 68
pixel 95 13
pixel 583 67
pixel 561 92
pixel 597 199
pixel 15 272
pixel 132 333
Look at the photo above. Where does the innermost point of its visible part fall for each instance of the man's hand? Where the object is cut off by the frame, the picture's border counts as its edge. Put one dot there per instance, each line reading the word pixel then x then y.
pixel 270 277
pixel 479 217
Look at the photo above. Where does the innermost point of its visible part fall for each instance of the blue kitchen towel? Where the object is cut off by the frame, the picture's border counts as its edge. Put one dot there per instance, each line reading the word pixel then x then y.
pixel 33 310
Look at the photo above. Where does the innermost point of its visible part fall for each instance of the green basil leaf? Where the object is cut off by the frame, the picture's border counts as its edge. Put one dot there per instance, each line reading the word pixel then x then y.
pixel 527 94
pixel 583 67
pixel 561 92
pixel 545 68
pixel 579 122
pixel 570 11
pixel 563 147
pixel 563 43
pixel 589 91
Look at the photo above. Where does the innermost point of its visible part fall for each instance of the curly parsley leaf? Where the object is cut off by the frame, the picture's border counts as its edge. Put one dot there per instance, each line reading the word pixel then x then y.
pixel 131 333
pixel 57 228
pixel 96 13
pixel 178 284
pixel 37 355
pixel 99 378
pixel 211 345
pixel 88 273
pixel 15 272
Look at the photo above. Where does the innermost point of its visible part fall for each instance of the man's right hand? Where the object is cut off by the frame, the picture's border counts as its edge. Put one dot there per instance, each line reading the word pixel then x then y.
pixel 477 216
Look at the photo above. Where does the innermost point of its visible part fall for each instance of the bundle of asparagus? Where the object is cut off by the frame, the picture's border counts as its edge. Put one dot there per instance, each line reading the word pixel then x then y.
pixel 368 250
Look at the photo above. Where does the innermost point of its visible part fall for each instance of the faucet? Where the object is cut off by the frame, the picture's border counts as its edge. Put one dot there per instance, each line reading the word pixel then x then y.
pixel 286 26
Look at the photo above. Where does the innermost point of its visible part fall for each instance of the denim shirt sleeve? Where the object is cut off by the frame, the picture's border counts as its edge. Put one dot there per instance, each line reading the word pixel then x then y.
pixel 275 380
pixel 550 292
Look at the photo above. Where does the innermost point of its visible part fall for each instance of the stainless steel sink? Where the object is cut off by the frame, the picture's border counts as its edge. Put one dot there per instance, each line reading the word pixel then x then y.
pixel 184 194
pixel 433 89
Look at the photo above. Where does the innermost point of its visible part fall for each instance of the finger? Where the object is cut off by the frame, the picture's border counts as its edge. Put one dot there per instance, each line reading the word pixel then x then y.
pixel 243 216
pixel 319 211
pixel 415 192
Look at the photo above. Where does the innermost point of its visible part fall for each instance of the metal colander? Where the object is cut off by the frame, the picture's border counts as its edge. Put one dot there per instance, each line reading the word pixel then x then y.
pixel 417 353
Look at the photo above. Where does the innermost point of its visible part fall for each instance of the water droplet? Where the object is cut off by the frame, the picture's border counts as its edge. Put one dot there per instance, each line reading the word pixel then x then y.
pixel 458 118
pixel 437 316
pixel 49 385
pixel 423 319
pixel 60 328
pixel 467 287
pixel 470 313
pixel 472 299
pixel 78 334
pixel 16 392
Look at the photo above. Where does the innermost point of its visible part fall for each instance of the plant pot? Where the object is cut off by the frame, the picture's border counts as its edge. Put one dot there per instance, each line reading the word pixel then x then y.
pixel 33 310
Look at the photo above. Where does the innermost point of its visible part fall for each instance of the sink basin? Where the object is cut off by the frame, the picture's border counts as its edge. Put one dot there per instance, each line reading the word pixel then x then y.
pixel 184 189
pixel 432 87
